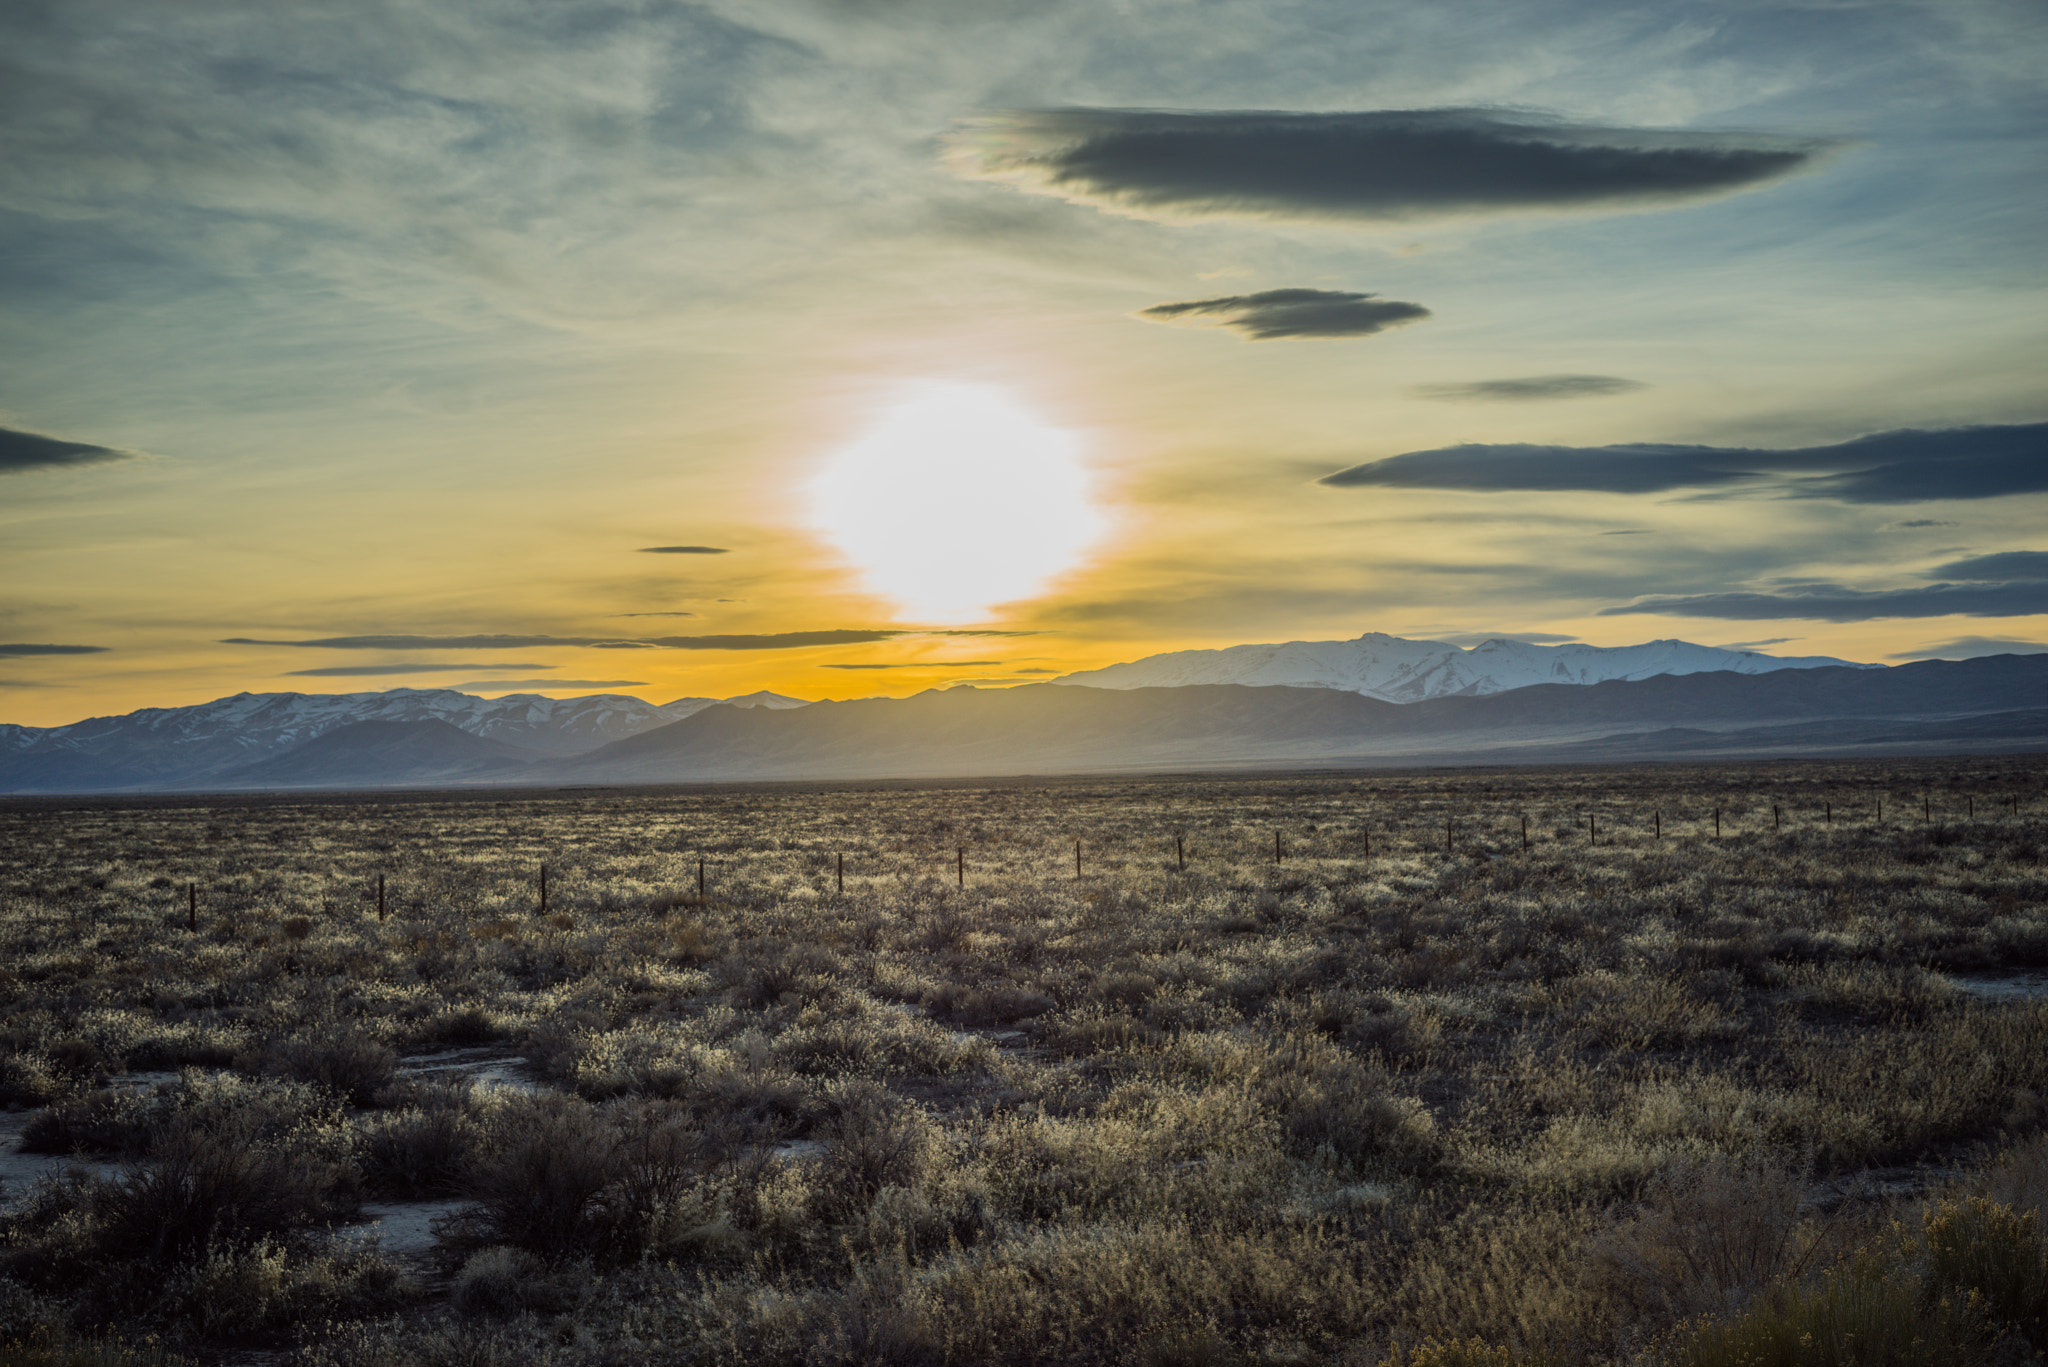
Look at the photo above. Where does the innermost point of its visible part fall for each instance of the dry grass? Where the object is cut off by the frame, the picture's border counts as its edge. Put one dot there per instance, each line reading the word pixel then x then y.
pixel 1580 1103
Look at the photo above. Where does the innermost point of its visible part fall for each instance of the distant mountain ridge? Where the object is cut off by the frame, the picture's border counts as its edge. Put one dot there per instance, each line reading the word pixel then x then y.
pixel 438 738
pixel 183 745
pixel 1395 669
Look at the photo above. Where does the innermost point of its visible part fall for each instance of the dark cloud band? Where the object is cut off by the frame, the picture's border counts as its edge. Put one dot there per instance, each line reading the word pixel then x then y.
pixel 372 671
pixel 1528 389
pixel 685 550
pixel 1904 466
pixel 21 452
pixel 1640 469
pixel 1272 314
pixel 781 640
pixel 551 684
pixel 1385 165
pixel 21 649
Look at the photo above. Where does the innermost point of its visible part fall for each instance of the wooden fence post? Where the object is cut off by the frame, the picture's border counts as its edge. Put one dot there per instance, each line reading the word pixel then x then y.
pixel 960 858
pixel 1276 847
pixel 1525 833
pixel 1777 818
pixel 700 881
pixel 192 906
pixel 842 875
pixel 1592 830
pixel 1717 823
pixel 1180 852
pixel 380 897
pixel 1657 820
pixel 1077 859
pixel 543 889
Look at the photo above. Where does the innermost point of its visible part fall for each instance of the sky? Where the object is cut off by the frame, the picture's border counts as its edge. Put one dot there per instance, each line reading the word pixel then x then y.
pixel 857 347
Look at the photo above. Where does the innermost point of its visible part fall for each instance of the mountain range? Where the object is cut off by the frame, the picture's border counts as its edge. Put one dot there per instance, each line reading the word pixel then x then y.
pixel 1329 708
pixel 1396 670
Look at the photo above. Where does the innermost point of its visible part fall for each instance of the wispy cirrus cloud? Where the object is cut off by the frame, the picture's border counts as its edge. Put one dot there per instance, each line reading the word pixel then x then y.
pixel 22 452
pixel 1528 389
pixel 1840 603
pixel 685 550
pixel 1361 166
pixel 1300 313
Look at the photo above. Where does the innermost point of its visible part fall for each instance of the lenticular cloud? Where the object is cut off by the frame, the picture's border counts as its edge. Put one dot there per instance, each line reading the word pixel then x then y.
pixel 1379 165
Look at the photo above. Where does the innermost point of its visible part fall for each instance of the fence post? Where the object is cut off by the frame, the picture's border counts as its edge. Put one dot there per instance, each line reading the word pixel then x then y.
pixel 1926 807
pixel 960 858
pixel 700 881
pixel 1657 820
pixel 192 906
pixel 1276 847
pixel 543 889
pixel 842 875
pixel 1447 835
pixel 1180 852
pixel 1829 809
pixel 1077 859
pixel 380 897
pixel 1592 830
pixel 1525 832
pixel 1717 823
pixel 1777 818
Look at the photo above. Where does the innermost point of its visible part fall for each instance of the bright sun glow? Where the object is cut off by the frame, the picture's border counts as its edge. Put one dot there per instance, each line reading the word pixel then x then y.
pixel 959 500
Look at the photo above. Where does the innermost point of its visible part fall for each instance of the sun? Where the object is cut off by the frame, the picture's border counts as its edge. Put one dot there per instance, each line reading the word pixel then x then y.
pixel 959 499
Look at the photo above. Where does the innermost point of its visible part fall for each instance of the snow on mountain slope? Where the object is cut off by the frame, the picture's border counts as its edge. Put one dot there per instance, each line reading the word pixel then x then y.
pixel 1397 670
pixel 249 725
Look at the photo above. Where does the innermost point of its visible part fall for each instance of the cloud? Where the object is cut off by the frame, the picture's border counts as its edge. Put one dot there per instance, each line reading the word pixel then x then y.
pixel 684 550
pixel 1971 648
pixel 1901 466
pixel 1926 522
pixel 1527 389
pixel 1638 469
pixel 1270 314
pixel 1473 638
pixel 23 648
pixel 780 640
pixel 1370 166
pixel 934 664
pixel 1909 465
pixel 1629 531
pixel 1837 603
pixel 1759 645
pixel 21 452
pixel 551 684
pixel 661 614
pixel 367 671
pixel 2005 565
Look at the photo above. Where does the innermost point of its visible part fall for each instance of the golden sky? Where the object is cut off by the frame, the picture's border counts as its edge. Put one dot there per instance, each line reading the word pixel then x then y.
pixel 370 348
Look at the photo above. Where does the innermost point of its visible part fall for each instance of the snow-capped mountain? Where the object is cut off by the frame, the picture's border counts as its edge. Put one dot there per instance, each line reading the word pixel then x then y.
pixel 1397 670
pixel 191 742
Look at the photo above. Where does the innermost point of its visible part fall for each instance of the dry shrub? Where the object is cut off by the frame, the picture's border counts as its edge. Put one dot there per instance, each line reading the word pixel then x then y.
pixel 348 1062
pixel 1708 1236
pixel 1505 1274
pixel 1995 1257
pixel 426 1148
pixel 562 1179
pixel 871 1140
pixel 507 1281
